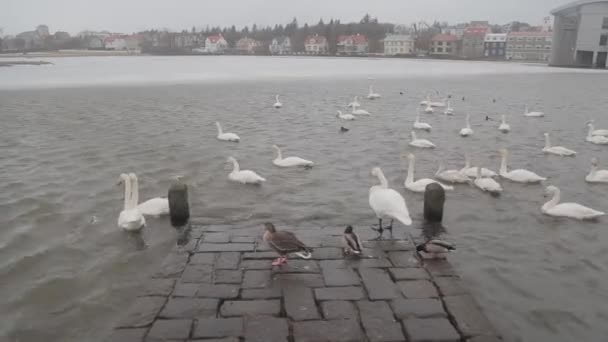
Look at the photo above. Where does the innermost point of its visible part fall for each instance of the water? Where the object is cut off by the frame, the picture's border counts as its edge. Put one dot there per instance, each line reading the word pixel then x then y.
pixel 66 276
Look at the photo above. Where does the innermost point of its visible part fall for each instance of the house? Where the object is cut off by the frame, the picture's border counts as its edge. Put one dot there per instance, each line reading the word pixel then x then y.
pixel 185 40
pixel 445 45
pixel 495 45
pixel 316 45
pixel 280 46
pixel 398 44
pixel 247 45
pixel 115 42
pixel 473 41
pixel 530 45
pixel 215 44
pixel 94 42
pixel 355 44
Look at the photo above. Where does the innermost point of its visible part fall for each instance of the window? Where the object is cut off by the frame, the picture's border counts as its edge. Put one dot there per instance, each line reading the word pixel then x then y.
pixel 448 44
pixel 604 39
pixel 448 50
pixel 439 49
pixel 605 23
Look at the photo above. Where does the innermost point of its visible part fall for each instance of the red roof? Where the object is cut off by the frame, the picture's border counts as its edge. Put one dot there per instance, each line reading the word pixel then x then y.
pixel 476 31
pixel 356 38
pixel 444 37
pixel 316 39
pixel 214 39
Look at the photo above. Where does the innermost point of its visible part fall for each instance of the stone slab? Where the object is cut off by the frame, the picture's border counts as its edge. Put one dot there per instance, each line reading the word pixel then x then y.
pixel 223 291
pixel 340 293
pixel 185 289
pixel 256 279
pixel 469 318
pixel 403 259
pixel 216 237
pixel 262 264
pixel 197 274
pixel 143 312
pixel 228 276
pixel 450 286
pixel 169 329
pixel 440 268
pixel 298 266
pixel 418 289
pixel 265 293
pixel 250 307
pixel 298 279
pixel 340 277
pixel 378 284
pixel 190 308
pixel 225 247
pixel 339 309
pixel 203 258
pixel 379 322
pixel 266 329
pixel 127 335
pixel 225 339
pixel 418 308
pixel 158 287
pixel 347 330
pixel 227 260
pixel 172 266
pixel 323 253
pixel 242 239
pixel 218 327
pixel 430 329
pixel 300 304
pixel 260 255
pixel 485 339
pixel 409 273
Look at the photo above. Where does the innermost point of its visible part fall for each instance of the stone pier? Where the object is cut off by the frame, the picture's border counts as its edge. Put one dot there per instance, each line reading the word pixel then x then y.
pixel 221 287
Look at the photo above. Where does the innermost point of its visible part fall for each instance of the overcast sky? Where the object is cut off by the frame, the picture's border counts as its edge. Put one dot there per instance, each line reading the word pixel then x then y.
pixel 128 16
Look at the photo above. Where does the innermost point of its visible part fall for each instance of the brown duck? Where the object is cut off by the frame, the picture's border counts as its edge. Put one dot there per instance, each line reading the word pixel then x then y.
pixel 352 243
pixel 284 243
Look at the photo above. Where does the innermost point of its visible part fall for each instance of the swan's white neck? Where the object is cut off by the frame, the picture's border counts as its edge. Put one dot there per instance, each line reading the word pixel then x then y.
pixel 467 121
pixel 479 172
pixel 547 141
pixel 219 128
pixel 503 163
pixel 128 190
pixel 410 171
pixel 440 169
pixel 593 170
pixel 382 179
pixel 276 98
pixel 449 105
pixel 467 161
pixel 135 194
pixel 279 154
pixel 504 120
pixel 590 132
pixel 553 201
pixel 235 166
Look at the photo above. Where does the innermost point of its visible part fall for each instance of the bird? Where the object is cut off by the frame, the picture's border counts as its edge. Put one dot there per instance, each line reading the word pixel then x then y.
pixel 452 176
pixel 595 139
pixel 342 116
pixel 449 110
pixel 372 95
pixel 440 104
pixel 595 175
pixel 421 125
pixel 130 218
pixel 289 161
pixel 493 100
pixel 528 113
pixel 157 206
pixel 278 103
pixel 355 103
pixel 466 131
pixel 519 175
pixel 435 248
pixel 243 176
pixel 419 185
pixel 429 109
pixel 387 203
pixel 570 210
pixel 359 112
pixel 284 242
pixel 400 93
pixel 352 243
pixel 421 143
pixel 471 172
pixel 226 136
pixel 343 129
pixel 487 184
pixel 557 150
pixel 504 126
pixel 594 131
pixel 427 101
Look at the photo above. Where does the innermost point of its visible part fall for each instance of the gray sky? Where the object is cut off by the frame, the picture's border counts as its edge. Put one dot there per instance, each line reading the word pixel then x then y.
pixel 128 16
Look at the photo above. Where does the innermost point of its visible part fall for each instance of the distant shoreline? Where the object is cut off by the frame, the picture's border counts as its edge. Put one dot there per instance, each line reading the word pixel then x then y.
pixel 11 63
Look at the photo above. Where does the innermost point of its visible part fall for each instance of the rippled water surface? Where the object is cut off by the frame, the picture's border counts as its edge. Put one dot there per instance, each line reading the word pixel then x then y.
pixel 69 130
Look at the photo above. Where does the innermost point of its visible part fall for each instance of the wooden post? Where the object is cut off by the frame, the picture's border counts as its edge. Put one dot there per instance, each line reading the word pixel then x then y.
pixel 179 208
pixel 434 199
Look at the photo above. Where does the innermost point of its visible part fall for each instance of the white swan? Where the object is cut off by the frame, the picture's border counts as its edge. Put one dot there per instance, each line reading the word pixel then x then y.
pixel 465 132
pixel 278 103
pixel 452 176
pixel 289 161
pixel 387 203
pixel 419 185
pixel 571 210
pixel 360 112
pixel 472 171
pixel 427 101
pixel 372 95
pixel 519 175
pixel 429 109
pixel 157 206
pixel 603 132
pixel 440 104
pixel 355 103
pixel 557 150
pixel 504 126
pixel 226 136
pixel 595 175
pixel 487 184
pixel 449 110
pixel 342 116
pixel 421 143
pixel 421 125
pixel 243 176
pixel 528 113
pixel 130 218
pixel 595 139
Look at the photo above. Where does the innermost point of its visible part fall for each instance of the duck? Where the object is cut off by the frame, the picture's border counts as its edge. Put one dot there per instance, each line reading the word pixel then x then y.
pixel 419 185
pixel 157 206
pixel 452 176
pixel 449 110
pixel 595 175
pixel 355 103
pixel 435 248
pixel 284 242
pixel 570 210
pixel 372 95
pixel 387 203
pixel 465 132
pixel 487 184
pixel 130 218
pixel 532 114
pixel 421 125
pixel 595 139
pixel 421 143
pixel 243 176
pixel 360 112
pixel 278 103
pixel 603 132
pixel 290 161
pixel 352 243
pixel 429 109
pixel 471 172
pixel 557 150
pixel 342 116
pixel 226 136
pixel 519 175
pixel 343 129
pixel 504 126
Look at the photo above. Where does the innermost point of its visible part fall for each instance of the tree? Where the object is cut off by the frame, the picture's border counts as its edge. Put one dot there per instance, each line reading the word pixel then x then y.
pixel 19 43
pixel 193 29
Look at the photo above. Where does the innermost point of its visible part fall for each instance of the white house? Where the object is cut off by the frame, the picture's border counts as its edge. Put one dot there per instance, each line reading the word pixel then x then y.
pixel 280 46
pixel 115 43
pixel 316 45
pixel 398 44
pixel 215 44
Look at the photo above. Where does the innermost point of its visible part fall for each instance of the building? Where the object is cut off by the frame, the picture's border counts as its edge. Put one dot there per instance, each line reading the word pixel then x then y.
pixel 316 45
pixel 215 44
pixel 398 44
pixel 355 44
pixel 247 45
pixel 495 45
pixel 445 45
pixel 280 46
pixel 115 42
pixel 580 34
pixel 473 42
pixel 456 30
pixel 31 40
pixel 530 46
pixel 185 40
pixel 42 31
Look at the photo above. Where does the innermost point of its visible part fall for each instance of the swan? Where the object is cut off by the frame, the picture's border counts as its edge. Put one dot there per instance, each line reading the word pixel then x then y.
pixel 360 112
pixel 243 176
pixel 289 161
pixel 594 131
pixel 452 176
pixel 595 139
pixel 449 110
pixel 419 185
pixel 532 114
pixel 429 109
pixel 157 206
pixel 422 143
pixel 277 104
pixel 571 210
pixel 557 150
pixel 472 171
pixel 465 132
pixel 130 218
pixel 355 103
pixel 387 203
pixel 438 104
pixel 487 184
pixel 226 136
pixel 372 95
pixel 421 125
pixel 504 126
pixel 427 101
pixel 595 175
pixel 342 116
pixel 519 175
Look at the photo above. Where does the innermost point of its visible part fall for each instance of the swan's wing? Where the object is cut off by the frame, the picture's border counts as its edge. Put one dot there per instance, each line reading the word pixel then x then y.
pixel 296 160
pixel 522 174
pixel 575 209
pixel 251 176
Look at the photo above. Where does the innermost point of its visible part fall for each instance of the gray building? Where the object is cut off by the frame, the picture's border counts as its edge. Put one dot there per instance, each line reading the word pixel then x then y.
pixel 580 34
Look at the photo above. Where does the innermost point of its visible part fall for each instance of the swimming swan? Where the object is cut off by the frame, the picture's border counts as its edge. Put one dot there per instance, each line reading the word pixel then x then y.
pixel 419 185
pixel 465 132
pixel 359 112
pixel 421 143
pixel 472 171
pixel 226 136
pixel 421 125
pixel 595 175
pixel 449 110
pixel 277 104
pixel 595 139
pixel 342 116
pixel 571 210
pixel 557 150
pixel 355 103
pixel 157 206
pixel 372 95
pixel 452 176
pixel 603 132
pixel 243 176
pixel 487 184
pixel 519 175
pixel 289 161
pixel 532 114
pixel 504 126
pixel 130 218
pixel 387 203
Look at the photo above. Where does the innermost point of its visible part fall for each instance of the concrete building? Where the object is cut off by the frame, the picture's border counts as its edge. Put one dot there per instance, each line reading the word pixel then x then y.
pixel 495 45
pixel 580 35
pixel 280 46
pixel 398 44
pixel 447 45
pixel 316 45
pixel 473 42
pixel 355 44
pixel 530 46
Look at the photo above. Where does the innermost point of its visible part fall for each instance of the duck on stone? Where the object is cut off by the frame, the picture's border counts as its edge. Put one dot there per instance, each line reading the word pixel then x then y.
pixel 435 248
pixel 284 243
pixel 352 243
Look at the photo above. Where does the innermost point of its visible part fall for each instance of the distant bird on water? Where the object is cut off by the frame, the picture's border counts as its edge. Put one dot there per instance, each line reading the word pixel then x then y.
pixel 343 129
pixel 284 243
pixel 352 243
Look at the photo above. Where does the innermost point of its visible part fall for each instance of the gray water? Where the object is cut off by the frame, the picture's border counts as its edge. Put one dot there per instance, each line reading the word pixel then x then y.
pixel 67 271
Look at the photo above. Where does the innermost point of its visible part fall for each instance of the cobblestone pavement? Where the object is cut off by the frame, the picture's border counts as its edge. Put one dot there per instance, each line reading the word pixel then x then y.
pixel 221 287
